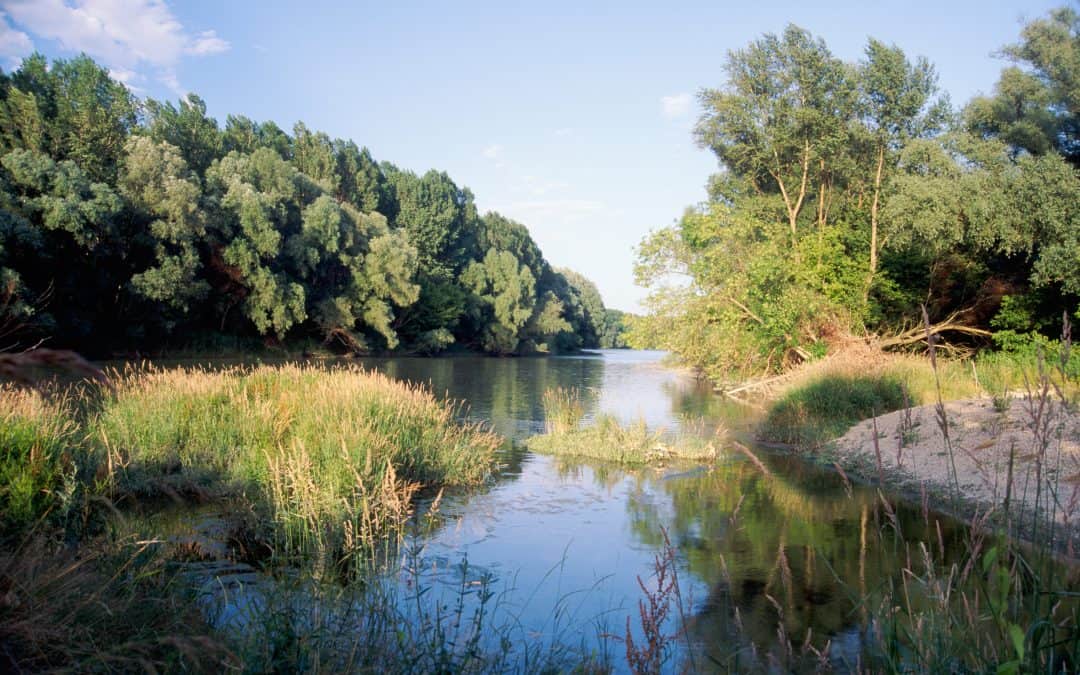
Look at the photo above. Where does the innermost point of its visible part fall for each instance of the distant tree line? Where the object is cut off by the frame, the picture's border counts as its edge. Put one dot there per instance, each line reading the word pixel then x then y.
pixel 852 194
pixel 141 225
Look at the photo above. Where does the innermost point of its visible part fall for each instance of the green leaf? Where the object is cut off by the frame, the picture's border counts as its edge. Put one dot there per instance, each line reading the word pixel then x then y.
pixel 1017 635
pixel 989 559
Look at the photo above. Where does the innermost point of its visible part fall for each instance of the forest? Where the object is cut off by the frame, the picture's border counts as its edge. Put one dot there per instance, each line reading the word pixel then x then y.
pixel 135 227
pixel 851 196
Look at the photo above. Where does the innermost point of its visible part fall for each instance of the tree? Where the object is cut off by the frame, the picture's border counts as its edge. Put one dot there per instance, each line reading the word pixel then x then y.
pixel 783 118
pixel 506 295
pixel 1036 108
pixel 157 184
pixel 896 107
pixel 72 111
pixel 187 128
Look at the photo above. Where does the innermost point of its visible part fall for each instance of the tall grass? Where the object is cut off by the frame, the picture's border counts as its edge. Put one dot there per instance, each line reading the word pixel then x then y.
pixel 1009 605
pixel 111 608
pixel 37 438
pixel 331 458
pixel 328 459
pixel 825 408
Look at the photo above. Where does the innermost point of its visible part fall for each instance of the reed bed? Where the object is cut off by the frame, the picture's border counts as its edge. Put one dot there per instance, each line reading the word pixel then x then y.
pixel 1008 603
pixel 39 441
pixel 328 458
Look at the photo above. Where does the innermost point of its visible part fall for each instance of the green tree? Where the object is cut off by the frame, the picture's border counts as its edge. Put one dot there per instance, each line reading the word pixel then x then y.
pixel 187 128
pixel 1036 104
pixel 506 297
pixel 157 184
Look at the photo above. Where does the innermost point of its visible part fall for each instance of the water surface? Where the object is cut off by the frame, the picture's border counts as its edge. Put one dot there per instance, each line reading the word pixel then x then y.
pixel 564 543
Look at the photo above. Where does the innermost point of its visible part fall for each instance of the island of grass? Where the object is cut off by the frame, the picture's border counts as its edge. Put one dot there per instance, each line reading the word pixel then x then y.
pixel 607 439
pixel 326 459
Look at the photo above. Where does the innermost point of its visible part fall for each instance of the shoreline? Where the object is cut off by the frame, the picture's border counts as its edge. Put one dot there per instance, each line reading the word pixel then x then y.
pixel 999 463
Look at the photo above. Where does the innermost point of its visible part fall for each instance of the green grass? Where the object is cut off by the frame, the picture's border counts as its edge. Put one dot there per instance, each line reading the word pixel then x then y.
pixel 36 439
pixel 606 438
pixel 327 458
pixel 822 409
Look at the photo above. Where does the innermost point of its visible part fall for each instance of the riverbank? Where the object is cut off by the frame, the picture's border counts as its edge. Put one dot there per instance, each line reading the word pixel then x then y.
pixel 1003 460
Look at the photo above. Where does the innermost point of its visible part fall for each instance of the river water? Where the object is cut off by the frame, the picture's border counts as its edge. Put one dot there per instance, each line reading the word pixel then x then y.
pixel 565 545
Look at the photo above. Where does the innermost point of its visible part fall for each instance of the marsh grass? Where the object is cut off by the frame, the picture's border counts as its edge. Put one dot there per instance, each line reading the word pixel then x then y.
pixel 38 442
pixel 328 459
pixel 112 608
pixel 608 439
pixel 1009 604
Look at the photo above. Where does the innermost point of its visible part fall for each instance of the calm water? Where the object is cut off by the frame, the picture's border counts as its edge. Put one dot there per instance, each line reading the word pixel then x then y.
pixel 563 543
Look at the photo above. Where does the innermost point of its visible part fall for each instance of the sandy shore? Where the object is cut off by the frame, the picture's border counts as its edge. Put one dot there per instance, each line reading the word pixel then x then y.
pixel 914 457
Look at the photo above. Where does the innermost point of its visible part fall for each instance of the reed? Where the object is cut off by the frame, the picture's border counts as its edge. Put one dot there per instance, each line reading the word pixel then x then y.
pixel 610 440
pixel 37 441
pixel 1009 604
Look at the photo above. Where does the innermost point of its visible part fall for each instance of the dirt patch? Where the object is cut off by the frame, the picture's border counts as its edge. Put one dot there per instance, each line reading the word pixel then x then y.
pixel 1041 441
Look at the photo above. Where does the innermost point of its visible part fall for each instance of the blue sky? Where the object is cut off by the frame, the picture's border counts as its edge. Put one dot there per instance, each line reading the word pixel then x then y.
pixel 571 117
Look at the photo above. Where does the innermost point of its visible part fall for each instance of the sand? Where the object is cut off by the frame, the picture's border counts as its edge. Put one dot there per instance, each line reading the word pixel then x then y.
pixel 914 455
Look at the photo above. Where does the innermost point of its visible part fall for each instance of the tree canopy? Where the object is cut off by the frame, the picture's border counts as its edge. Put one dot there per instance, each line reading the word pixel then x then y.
pixel 849 194
pixel 130 225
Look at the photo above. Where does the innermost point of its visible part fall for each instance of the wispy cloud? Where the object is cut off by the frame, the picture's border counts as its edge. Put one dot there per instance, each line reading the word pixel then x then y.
pixel 124 35
pixel 538 188
pixel 493 151
pixel 563 133
pixel 207 42
pixel 676 105
pixel 14 44
pixel 545 211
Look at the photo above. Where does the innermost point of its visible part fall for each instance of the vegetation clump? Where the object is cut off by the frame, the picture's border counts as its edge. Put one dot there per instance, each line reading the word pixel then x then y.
pixel 153 226
pixel 328 458
pixel 606 438
pixel 823 409
pixel 852 195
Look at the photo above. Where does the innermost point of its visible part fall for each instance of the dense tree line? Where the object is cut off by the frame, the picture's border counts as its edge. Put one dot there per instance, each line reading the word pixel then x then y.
pixel 130 225
pixel 851 194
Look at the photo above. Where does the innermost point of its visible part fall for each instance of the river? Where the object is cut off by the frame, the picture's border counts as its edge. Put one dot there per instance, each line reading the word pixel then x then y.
pixel 563 544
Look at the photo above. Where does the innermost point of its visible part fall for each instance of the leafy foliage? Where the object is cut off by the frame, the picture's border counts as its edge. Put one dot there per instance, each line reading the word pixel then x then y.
pixel 850 194
pixel 150 212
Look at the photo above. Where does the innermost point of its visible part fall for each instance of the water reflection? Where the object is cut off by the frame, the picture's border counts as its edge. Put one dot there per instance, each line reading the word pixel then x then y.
pixel 789 550
pixel 764 557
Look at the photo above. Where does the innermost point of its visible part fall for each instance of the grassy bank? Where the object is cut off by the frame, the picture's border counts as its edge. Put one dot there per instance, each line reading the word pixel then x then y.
pixel 607 439
pixel 327 459
pixel 1009 605
pixel 317 466
pixel 823 409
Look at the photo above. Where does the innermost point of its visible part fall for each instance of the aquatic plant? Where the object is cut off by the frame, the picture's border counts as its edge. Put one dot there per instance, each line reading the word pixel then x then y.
pixel 37 435
pixel 608 439
pixel 330 457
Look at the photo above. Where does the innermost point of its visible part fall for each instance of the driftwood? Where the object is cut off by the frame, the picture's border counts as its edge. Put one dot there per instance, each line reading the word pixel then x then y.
pixel 19 367
pixel 951 324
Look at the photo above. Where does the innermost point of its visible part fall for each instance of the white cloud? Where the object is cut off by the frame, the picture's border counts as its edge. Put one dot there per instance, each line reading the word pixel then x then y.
pixel 122 34
pixel 676 106
pixel 539 188
pixel 563 133
pixel 14 44
pixel 207 42
pixel 493 151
